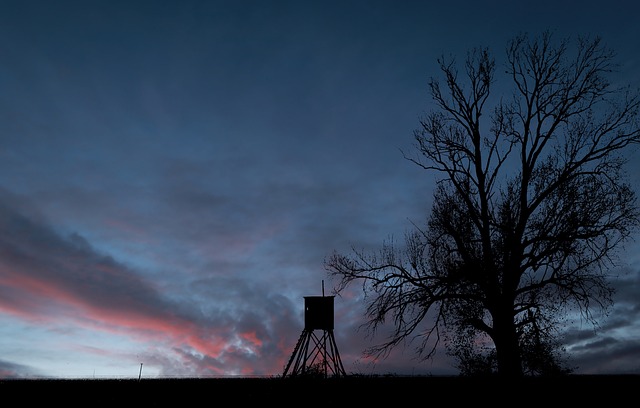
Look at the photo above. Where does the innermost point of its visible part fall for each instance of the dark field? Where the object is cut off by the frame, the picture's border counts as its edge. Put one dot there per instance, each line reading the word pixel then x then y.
pixel 610 391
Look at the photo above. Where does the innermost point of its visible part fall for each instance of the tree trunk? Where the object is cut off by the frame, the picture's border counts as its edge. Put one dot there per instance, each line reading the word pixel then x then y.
pixel 507 345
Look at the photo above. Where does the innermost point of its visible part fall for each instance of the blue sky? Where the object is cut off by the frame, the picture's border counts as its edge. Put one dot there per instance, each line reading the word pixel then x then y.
pixel 174 173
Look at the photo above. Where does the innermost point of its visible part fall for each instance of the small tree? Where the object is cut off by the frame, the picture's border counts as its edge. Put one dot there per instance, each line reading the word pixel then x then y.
pixel 528 210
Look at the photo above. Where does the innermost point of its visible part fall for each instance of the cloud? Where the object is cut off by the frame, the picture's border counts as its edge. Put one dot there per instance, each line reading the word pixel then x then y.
pixel 47 279
pixel 10 370
pixel 612 346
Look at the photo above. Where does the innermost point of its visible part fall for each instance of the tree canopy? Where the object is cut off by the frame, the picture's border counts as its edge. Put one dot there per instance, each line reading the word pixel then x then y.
pixel 530 206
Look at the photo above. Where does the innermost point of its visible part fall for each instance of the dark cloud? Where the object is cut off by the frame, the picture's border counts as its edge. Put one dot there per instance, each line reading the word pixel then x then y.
pixel 611 346
pixel 11 371
pixel 68 267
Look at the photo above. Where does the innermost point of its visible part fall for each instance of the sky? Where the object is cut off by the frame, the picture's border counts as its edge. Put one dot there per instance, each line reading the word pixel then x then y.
pixel 173 175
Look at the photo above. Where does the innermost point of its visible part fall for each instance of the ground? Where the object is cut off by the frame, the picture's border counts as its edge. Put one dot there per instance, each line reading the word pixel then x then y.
pixel 379 391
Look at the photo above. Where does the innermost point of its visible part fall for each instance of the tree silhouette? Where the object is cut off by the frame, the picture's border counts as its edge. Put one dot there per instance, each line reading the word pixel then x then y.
pixel 530 206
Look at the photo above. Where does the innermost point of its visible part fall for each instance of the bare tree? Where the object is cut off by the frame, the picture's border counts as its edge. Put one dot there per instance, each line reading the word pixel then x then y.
pixel 530 206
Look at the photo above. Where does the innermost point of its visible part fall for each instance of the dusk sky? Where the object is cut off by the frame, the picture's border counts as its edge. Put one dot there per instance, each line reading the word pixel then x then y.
pixel 173 174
